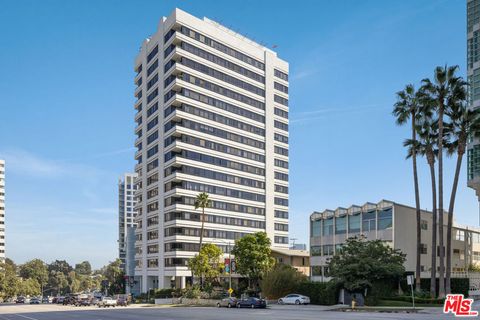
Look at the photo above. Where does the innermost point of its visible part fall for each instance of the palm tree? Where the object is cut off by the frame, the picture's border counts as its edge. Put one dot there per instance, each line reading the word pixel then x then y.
pixel 407 108
pixel 426 146
pixel 464 123
pixel 202 201
pixel 439 91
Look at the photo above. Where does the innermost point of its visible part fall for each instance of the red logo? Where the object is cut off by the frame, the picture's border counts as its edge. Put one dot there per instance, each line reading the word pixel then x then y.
pixel 459 306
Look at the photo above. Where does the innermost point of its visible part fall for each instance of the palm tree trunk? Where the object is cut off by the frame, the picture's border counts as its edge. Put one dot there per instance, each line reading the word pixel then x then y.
pixel 417 207
pixel 202 218
pixel 441 276
pixel 448 288
pixel 433 272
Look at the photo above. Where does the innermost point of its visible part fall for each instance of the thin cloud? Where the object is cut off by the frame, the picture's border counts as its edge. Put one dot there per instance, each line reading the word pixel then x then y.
pixel 324 113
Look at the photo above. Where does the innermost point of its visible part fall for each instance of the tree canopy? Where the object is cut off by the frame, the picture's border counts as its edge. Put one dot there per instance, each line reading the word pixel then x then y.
pixel 361 263
pixel 207 263
pixel 253 256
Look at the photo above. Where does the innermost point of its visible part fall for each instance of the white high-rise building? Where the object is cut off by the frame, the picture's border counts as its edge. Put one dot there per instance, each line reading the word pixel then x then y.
pixel 126 219
pixel 212 116
pixel 2 209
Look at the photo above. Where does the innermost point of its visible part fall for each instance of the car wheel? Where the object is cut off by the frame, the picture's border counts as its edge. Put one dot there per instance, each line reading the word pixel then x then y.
pixel 297 301
pixel 238 305
pixel 229 305
pixel 218 305
pixel 280 301
pixel 252 306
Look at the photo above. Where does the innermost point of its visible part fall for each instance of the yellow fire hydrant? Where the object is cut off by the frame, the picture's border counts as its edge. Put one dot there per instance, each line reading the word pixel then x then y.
pixel 354 303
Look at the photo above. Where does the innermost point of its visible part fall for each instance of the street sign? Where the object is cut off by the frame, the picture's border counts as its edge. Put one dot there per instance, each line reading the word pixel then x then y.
pixel 233 266
pixel 227 265
pixel 230 291
pixel 410 279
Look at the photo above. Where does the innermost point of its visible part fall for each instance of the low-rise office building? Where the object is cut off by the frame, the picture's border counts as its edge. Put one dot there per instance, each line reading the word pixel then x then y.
pixel 299 259
pixel 393 223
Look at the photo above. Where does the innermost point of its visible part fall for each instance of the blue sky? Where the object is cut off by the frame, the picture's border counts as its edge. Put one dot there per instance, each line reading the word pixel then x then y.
pixel 66 114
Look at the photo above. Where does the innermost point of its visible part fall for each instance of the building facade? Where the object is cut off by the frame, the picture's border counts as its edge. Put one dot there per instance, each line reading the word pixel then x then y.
pixel 393 223
pixel 473 75
pixel 126 220
pixel 212 116
pixel 298 259
pixel 2 209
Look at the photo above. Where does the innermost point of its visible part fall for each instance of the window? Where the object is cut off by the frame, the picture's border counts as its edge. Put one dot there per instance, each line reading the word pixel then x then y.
pixel 316 228
pixel 385 219
pixel 281 227
pixel 223 91
pixel 280 87
pixel 281 138
pixel 281 176
pixel 368 221
pixel 316 271
pixel 152 68
pixel 354 223
pixel 423 248
pixel 281 214
pixel 280 74
pixel 328 250
pixel 280 125
pixel 222 48
pixel 281 201
pixel 212 189
pixel 152 81
pixel 282 240
pixel 281 189
pixel 281 113
pixel 341 225
pixel 424 224
pixel 281 163
pixel 152 54
pixel 152 95
pixel 328 227
pixel 222 76
pixel 281 151
pixel 460 235
pixel 316 251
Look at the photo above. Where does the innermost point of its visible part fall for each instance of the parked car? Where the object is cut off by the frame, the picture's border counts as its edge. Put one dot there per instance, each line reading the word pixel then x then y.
pixel 60 300
pixel 84 302
pixel 251 302
pixel 69 300
pixel 46 300
pixel 35 301
pixel 227 302
pixel 20 300
pixel 294 299
pixel 122 301
pixel 107 302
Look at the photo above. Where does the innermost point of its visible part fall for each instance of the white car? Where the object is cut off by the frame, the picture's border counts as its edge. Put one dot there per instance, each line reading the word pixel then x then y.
pixel 107 302
pixel 294 299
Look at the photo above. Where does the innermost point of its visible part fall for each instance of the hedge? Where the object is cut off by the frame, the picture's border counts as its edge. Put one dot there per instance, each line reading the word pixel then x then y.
pixel 458 285
pixel 324 293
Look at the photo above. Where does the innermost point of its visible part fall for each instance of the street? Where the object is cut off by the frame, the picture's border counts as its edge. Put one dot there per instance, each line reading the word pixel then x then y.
pixel 274 312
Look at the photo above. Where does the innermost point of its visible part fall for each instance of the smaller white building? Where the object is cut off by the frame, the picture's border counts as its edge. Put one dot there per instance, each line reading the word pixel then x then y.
pixel 126 222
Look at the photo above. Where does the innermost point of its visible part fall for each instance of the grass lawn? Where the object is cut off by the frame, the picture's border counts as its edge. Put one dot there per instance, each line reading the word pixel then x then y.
pixel 393 303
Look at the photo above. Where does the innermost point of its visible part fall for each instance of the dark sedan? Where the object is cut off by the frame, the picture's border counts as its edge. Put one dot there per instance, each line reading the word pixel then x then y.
pixel 251 303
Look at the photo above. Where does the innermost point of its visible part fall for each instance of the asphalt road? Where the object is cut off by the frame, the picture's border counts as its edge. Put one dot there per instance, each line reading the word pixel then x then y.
pixel 274 312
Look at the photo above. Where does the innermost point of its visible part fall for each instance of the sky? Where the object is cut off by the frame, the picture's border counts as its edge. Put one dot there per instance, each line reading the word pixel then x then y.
pixel 67 116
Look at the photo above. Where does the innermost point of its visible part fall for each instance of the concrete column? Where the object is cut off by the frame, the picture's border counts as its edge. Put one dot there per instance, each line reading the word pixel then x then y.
pixel 182 282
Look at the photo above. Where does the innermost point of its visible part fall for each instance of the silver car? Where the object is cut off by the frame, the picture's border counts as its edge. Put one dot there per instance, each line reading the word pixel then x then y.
pixel 294 299
pixel 228 302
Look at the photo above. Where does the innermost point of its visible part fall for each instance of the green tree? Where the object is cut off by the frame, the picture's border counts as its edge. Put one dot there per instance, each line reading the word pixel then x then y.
pixel 360 264
pixel 202 201
pixel 57 283
pixel 253 256
pixel 83 268
pixel 464 123
pixel 29 287
pixel 61 266
pixel 440 90
pixel 281 280
pixel 9 282
pixel 207 263
pixel 35 269
pixel 408 108
pixel 115 276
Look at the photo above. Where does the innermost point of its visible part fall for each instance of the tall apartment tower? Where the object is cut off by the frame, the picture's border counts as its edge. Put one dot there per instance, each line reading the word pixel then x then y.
pixel 126 220
pixel 473 72
pixel 2 209
pixel 212 116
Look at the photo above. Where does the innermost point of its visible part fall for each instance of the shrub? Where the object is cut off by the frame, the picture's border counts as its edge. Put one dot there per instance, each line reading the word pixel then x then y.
pixel 193 293
pixel 458 285
pixel 280 281
pixel 319 292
